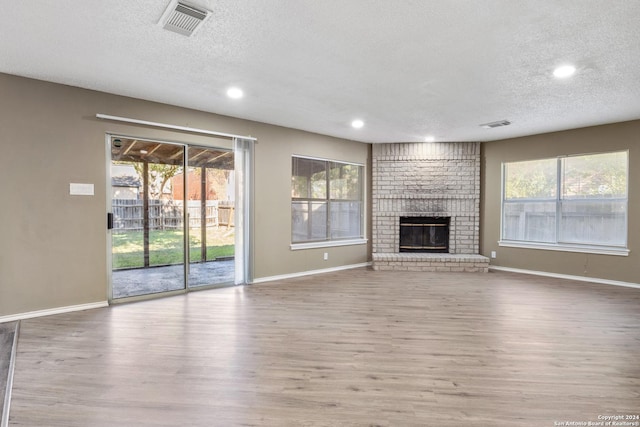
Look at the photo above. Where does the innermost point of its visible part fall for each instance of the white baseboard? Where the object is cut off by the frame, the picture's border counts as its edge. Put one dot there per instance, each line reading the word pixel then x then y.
pixel 51 311
pixel 309 273
pixel 567 276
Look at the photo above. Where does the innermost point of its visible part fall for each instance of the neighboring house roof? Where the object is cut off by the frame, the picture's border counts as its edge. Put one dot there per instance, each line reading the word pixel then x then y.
pixel 125 181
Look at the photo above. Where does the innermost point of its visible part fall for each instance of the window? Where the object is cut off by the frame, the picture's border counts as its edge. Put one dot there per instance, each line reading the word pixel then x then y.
pixel 326 200
pixel 577 202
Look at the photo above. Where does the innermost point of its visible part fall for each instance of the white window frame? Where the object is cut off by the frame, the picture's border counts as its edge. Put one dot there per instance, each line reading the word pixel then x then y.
pixel 363 220
pixel 621 250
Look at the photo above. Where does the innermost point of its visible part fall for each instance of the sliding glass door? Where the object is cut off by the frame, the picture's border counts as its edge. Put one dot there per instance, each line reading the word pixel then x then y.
pixel 147 234
pixel 210 212
pixel 172 217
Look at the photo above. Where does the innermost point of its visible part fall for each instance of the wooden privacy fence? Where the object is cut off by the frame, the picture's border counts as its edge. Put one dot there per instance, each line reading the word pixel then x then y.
pixel 168 214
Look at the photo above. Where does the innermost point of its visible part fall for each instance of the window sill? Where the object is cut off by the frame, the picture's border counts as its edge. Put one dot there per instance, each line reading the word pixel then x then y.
pixel 599 250
pixel 327 244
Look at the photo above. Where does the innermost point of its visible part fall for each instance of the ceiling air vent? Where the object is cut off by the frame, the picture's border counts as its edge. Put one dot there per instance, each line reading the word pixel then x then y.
pixel 497 124
pixel 183 18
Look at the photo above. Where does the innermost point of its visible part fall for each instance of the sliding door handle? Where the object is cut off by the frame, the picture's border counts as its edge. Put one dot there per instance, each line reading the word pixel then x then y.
pixel 109 220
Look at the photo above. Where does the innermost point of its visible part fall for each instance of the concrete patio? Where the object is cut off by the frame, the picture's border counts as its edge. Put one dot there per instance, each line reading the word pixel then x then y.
pixel 143 281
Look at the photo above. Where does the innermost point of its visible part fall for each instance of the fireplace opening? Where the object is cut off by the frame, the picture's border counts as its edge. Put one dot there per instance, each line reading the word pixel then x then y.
pixel 424 234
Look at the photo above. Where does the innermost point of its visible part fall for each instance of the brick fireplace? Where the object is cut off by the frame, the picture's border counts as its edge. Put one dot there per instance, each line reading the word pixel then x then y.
pixel 427 180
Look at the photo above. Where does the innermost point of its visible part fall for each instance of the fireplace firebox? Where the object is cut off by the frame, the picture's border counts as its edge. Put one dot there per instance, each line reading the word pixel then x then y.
pixel 424 234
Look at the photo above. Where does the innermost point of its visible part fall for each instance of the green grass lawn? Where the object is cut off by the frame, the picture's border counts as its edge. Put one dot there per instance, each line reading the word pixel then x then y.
pixel 165 247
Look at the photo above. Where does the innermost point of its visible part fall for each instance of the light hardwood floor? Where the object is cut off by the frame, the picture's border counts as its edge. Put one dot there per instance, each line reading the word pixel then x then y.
pixel 352 348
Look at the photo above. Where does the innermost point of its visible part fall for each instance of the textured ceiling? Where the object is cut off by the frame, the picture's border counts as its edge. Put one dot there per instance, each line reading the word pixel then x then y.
pixel 408 68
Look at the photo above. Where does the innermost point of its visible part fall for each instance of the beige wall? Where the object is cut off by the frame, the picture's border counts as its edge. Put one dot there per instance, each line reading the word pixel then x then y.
pixel 619 136
pixel 53 247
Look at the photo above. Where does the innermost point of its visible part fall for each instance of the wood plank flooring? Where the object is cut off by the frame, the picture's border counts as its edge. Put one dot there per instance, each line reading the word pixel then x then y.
pixel 352 348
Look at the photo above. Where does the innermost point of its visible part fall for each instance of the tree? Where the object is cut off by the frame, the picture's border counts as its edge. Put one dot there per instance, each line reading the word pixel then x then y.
pixel 159 175
pixel 585 176
pixel 531 179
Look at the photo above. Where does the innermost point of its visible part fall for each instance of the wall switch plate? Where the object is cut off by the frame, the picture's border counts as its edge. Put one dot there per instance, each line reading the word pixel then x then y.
pixel 326 256
pixel 493 254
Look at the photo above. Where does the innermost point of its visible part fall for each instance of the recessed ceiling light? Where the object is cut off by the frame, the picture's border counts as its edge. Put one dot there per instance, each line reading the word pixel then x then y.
pixel 429 138
pixel 235 93
pixel 564 71
pixel 357 124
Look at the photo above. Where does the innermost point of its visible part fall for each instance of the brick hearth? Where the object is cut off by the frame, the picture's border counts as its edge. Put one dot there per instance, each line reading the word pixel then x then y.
pixel 431 262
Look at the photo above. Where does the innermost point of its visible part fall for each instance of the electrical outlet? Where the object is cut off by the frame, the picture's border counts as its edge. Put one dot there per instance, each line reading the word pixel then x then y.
pixel 493 254
pixel 326 256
